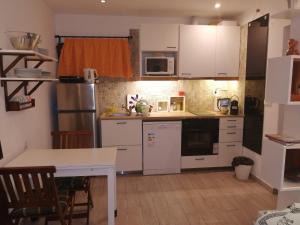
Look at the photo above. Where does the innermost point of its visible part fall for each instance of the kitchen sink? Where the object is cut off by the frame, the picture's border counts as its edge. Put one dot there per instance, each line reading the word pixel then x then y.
pixel 119 114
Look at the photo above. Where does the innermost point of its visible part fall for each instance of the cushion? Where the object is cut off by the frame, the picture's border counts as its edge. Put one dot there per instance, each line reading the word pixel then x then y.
pixel 63 197
pixel 71 183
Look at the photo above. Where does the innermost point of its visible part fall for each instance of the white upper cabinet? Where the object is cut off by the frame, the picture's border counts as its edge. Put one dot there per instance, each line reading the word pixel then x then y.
pixel 227 51
pixel 159 37
pixel 197 52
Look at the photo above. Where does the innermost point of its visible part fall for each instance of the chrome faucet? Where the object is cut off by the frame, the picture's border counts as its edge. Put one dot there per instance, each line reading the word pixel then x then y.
pixel 128 110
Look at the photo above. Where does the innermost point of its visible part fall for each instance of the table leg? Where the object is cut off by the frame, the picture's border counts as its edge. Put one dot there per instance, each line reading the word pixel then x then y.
pixel 111 189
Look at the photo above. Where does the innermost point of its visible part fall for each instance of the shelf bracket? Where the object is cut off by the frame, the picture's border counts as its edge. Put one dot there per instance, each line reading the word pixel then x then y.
pixel 14 92
pixel 40 62
pixel 12 64
pixel 26 92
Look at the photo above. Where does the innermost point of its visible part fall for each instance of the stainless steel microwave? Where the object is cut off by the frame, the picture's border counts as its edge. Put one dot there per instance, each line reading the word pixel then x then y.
pixel 159 65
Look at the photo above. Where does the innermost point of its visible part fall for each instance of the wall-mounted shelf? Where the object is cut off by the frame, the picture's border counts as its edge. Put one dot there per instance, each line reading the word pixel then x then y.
pixel 283 80
pixel 46 79
pixel 28 56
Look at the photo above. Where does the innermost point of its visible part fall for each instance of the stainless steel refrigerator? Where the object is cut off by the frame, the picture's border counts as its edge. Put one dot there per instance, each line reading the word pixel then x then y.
pixel 76 104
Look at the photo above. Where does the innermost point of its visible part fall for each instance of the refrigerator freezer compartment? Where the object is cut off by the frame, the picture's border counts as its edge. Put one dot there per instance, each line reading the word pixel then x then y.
pixel 76 97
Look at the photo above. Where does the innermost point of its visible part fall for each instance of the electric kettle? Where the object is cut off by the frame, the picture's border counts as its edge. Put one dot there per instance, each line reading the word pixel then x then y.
pixel 223 105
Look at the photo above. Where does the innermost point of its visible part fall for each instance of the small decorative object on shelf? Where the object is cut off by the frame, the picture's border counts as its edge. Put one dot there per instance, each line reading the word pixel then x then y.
pixel 292 47
pixel 18 106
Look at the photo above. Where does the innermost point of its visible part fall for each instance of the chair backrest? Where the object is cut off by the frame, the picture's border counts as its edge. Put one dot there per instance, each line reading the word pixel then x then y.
pixel 71 139
pixel 29 186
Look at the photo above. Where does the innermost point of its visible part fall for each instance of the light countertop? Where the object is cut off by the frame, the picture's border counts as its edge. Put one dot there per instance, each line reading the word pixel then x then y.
pixel 169 116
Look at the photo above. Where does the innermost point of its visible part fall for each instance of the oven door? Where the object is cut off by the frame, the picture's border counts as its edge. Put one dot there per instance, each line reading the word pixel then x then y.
pixel 199 137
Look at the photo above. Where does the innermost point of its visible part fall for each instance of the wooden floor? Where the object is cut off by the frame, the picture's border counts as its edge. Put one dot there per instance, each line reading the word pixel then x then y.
pixel 193 198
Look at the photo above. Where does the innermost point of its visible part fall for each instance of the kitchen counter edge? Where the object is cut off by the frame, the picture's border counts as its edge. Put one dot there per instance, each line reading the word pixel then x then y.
pixel 167 117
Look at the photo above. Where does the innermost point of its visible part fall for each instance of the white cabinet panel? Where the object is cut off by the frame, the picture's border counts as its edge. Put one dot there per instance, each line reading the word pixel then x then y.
pixel 159 37
pixel 129 158
pixel 230 135
pixel 227 51
pixel 227 151
pixel 197 51
pixel 121 132
pixel 283 80
pixel 203 161
pixel 231 123
pixel 273 163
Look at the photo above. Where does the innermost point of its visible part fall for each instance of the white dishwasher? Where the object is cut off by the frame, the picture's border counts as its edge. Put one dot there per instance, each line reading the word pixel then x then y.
pixel 161 147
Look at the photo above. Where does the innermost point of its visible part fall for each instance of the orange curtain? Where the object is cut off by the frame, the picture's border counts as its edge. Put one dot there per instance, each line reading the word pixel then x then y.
pixel 110 57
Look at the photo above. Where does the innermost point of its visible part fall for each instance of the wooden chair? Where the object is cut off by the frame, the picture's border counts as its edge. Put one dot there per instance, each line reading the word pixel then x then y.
pixel 31 192
pixel 75 139
pixel 71 139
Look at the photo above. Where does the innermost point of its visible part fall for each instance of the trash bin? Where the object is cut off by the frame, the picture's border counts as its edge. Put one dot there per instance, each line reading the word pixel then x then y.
pixel 242 167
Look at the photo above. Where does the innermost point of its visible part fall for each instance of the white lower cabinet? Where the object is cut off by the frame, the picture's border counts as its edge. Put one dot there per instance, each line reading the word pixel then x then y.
pixel 280 166
pixel 230 135
pixel 129 158
pixel 230 140
pixel 227 151
pixel 203 161
pixel 126 136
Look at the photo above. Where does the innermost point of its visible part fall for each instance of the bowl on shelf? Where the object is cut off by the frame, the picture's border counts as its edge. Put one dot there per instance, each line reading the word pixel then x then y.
pixel 23 40
pixel 28 72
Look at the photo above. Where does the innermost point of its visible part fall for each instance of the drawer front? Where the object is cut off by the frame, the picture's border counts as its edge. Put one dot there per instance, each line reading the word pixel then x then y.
pixel 227 151
pixel 230 135
pixel 129 158
pixel 231 123
pixel 199 161
pixel 121 132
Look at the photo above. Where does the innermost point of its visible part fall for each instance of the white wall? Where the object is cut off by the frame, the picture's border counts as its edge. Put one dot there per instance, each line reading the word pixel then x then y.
pixel 265 7
pixel 275 48
pixel 68 24
pixel 31 127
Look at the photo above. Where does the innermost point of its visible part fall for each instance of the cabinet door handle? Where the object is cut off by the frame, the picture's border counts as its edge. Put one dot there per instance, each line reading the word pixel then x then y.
pixel 231 120
pixel 171 47
pixel 186 74
pixel 230 145
pixel 200 159
pixel 121 123
pixel 222 73
pixel 122 149
pixel 231 132
pixel 231 126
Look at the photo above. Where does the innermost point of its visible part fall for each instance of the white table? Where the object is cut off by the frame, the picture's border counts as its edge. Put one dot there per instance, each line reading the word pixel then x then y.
pixel 76 162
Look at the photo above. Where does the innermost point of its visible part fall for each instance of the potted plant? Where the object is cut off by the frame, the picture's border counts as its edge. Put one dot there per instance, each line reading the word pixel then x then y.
pixel 242 167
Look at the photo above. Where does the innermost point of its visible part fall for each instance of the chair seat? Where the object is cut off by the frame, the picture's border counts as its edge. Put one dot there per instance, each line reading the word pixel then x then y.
pixel 63 197
pixel 72 183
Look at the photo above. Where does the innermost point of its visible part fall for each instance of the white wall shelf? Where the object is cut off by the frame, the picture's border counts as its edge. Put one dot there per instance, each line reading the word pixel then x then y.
pixel 283 80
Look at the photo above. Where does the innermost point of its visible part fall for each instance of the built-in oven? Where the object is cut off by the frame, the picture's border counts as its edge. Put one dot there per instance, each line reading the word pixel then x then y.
pixel 200 137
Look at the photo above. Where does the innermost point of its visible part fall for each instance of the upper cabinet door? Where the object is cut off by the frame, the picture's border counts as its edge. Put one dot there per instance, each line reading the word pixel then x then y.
pixel 227 51
pixel 197 51
pixel 159 37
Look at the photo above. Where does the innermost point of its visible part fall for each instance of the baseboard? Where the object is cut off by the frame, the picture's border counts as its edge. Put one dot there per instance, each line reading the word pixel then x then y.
pixel 264 184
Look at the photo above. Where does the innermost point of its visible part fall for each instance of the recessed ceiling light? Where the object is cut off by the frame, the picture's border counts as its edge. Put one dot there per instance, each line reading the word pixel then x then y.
pixel 103 1
pixel 217 5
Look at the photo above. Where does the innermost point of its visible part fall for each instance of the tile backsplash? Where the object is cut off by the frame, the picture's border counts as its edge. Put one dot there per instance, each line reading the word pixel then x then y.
pixel 199 93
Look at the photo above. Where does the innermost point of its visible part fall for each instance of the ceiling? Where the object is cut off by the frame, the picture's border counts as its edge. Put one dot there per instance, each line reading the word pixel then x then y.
pixel 178 8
